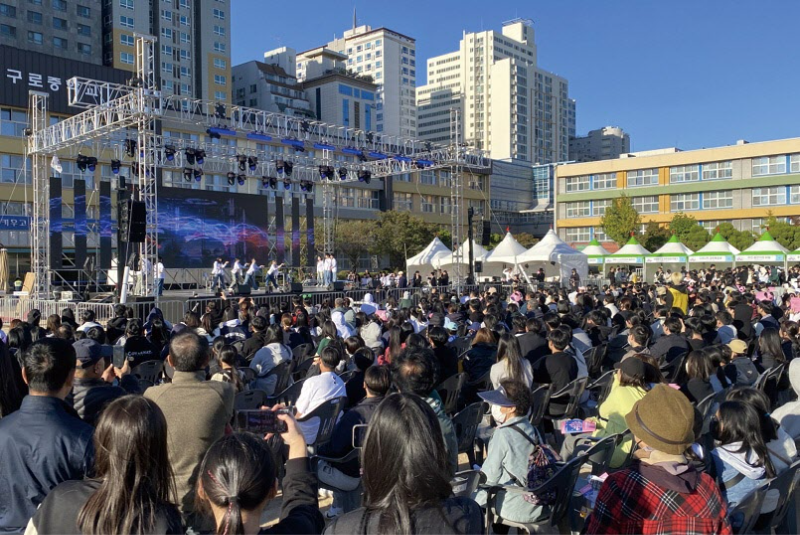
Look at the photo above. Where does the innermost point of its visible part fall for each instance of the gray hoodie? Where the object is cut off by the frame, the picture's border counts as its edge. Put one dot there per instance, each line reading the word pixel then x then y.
pixel 788 415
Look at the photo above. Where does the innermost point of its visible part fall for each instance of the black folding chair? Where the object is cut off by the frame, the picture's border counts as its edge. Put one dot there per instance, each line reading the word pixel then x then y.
pixel 599 455
pixel 785 486
pixel 282 375
pixel 768 382
pixel 595 358
pixel 540 398
pixel 249 400
pixel 465 424
pixel 288 397
pixel 328 414
pixel 562 483
pixel 248 374
pixel 449 391
pixel 301 370
pixel 601 387
pixel 744 516
pixel 673 369
pixel 574 390
pixel 466 482
pixel 149 370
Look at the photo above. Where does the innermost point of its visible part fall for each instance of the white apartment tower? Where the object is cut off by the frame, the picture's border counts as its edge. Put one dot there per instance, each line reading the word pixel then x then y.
pixel 389 59
pixel 509 105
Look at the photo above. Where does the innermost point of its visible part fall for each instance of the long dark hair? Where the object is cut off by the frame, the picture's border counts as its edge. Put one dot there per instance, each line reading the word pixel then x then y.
pixel 11 383
pixel 740 422
pixel 237 473
pixel 769 343
pixel 132 464
pixel 328 330
pixel 274 334
pixel 509 349
pixel 395 342
pixel 404 429
pixel 228 355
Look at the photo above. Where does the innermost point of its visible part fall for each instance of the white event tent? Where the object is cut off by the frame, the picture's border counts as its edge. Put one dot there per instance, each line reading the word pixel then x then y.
pixel 506 252
pixel 595 253
pixel 428 258
pixel 717 251
pixel 632 254
pixel 446 261
pixel 765 251
pixel 557 257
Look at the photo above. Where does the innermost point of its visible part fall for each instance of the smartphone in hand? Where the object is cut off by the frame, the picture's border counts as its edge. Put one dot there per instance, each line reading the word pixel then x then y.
pixel 118 356
pixel 260 422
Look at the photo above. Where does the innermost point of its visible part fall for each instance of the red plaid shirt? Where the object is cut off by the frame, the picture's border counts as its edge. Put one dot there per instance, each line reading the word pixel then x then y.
pixel 629 503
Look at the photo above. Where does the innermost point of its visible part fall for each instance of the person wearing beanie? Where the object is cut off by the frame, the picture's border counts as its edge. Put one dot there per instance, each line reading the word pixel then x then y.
pixel 661 492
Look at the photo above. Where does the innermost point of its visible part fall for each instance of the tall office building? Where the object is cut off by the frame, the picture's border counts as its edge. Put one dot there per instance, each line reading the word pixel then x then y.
pixel 604 143
pixel 509 105
pixel 193 47
pixel 389 59
pixel 63 29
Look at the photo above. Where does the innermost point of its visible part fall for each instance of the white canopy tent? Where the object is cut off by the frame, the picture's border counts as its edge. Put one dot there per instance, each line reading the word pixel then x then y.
pixel 671 253
pixel 427 259
pixel 595 253
pixel 632 254
pixel 717 251
pixel 506 251
pixel 765 251
pixel 557 257
pixel 479 253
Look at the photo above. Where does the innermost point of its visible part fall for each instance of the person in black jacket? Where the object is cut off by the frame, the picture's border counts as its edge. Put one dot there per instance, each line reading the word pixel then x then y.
pixel 116 325
pixel 532 344
pixel 94 376
pixel 672 345
pixel 699 371
pixel 138 348
pixel 44 443
pixel 558 368
pixel 477 363
pixel 446 355
pixel 347 476
pixel 258 327
pixel 237 478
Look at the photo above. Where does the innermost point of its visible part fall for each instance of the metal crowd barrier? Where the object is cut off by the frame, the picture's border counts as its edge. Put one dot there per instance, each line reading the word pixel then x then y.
pixel 18 308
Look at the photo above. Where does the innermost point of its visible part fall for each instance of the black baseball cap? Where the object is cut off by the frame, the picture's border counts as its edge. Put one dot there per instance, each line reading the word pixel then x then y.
pixel 88 352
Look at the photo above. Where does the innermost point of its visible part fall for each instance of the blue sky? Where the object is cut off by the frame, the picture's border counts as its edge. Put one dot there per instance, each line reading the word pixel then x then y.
pixel 685 73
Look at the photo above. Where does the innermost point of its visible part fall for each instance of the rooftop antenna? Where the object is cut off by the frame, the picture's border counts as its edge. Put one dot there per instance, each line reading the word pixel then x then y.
pixel 354 18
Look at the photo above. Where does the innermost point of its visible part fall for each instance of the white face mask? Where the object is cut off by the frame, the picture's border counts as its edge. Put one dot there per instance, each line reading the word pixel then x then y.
pixel 499 416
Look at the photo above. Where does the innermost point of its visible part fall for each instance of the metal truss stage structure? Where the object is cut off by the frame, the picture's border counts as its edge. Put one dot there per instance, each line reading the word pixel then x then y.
pixel 122 119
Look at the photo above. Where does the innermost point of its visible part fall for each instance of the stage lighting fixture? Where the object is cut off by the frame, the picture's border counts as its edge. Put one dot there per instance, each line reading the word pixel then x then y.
pixel 188 173
pixel 361 157
pixel 287 168
pixel 81 162
pixel 364 176
pixel 198 174
pixel 213 134
pixel 115 165
pixel 304 126
pixel 428 146
pixel 169 152
pixel 343 173
pixel 242 159
pixel 326 171
pixel 273 182
pixel 252 162
pixel 231 178
pixel 200 156
pixel 306 186
pixel 299 148
pixel 287 183
pixel 241 179
pixel 190 156
pixel 130 148
pixel 279 166
pixel 370 137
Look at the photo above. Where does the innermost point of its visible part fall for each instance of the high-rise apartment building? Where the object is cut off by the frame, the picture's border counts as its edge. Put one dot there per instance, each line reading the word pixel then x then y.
pixel 61 28
pixel 509 105
pixel 604 143
pixel 389 59
pixel 193 48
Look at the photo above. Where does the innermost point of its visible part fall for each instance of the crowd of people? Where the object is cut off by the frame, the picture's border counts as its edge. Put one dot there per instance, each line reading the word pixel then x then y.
pixel 88 444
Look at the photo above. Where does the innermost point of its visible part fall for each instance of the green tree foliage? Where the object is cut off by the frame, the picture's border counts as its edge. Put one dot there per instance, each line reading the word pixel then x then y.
pixel 784 233
pixel 400 234
pixel 354 239
pixel 741 239
pixel 689 231
pixel 526 240
pixel 621 220
pixel 654 236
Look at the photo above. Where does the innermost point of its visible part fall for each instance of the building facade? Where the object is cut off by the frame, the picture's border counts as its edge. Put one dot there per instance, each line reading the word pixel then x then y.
pixel 509 105
pixel 605 143
pixel 342 99
pixel 269 87
pixel 193 48
pixel 737 184
pixel 388 59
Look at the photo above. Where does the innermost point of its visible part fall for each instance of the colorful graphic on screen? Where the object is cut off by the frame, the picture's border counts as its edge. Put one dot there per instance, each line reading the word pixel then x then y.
pixel 195 227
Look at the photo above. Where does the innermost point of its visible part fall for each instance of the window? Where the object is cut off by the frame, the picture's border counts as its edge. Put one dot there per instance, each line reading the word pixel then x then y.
pixel 769 196
pixel 604 181
pixel 600 235
pixel 769 165
pixel 8 11
pixel 126 40
pixel 84 30
pixel 220 95
pixel 643 177
pixel 12 122
pixel 683 202
pixel 58 42
pixel 186 72
pixel 426 204
pixel 794 163
pixel 83 48
pixel 186 54
pixel 12 168
pixel 60 24
pixel 185 37
pixel 684 173
pixel 166 15
pixel 184 20
pixel 35 38
pixel 84 12
pixel 346 112
pixel 717 170
pixel 577 183
pixel 219 79
pixel 717 199
pixel 35 17
pixel 35 2
pixel 219 47
pixel 167 67
pixel 578 209
pixel 599 207
pixel 126 22
pixel 579 234
pixel 444 205
pixel 220 63
pixel 166 33
pixel 219 14
pixel 127 4
pixel 427 178
pixel 646 205
pixel 8 31
pixel 126 58
pixel 59 5
pixel 402 202
pixel 219 30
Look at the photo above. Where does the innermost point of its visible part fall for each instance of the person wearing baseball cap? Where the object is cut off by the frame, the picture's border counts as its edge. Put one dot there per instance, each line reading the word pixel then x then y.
pixel 633 500
pixel 93 388
pixel 740 371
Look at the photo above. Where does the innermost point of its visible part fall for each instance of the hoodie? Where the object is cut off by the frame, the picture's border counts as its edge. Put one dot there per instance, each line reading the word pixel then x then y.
pixel 788 415
pixel 233 331
pixel 264 360
pixel 737 473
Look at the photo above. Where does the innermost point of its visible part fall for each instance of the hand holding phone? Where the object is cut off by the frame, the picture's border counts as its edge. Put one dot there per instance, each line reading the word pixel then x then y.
pixel 260 422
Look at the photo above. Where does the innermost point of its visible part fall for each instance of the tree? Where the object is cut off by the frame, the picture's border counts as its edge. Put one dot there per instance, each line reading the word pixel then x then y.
pixel 784 233
pixel 689 231
pixel 741 239
pixel 400 235
pixel 494 239
pixel 621 220
pixel 354 239
pixel 655 236
pixel 526 240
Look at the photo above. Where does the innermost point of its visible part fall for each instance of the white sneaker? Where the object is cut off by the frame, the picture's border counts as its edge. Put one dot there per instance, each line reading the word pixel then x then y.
pixel 333 512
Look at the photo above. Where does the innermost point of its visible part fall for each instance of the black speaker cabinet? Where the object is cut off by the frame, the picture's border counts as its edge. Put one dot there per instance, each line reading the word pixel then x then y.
pixel 478 267
pixel 338 286
pixel 243 289
pixel 297 287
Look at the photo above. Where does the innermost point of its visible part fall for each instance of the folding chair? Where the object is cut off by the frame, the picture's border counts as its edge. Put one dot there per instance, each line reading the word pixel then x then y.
pixel 466 482
pixel 249 400
pixel 465 424
pixel 149 370
pixel 449 391
pixel 281 372
pixel 599 455
pixel 595 358
pixel 785 485
pixel 288 397
pixel 574 390
pixel 540 398
pixel 601 387
pixel 673 369
pixel 744 516
pixel 327 414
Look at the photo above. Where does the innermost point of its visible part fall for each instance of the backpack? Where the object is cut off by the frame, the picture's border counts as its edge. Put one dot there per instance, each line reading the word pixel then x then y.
pixel 543 463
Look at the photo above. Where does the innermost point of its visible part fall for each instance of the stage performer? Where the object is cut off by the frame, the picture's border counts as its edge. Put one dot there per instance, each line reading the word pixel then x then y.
pixel 236 273
pixel 271 273
pixel 326 268
pixel 218 273
pixel 250 276
pixel 159 277
pixel 320 271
